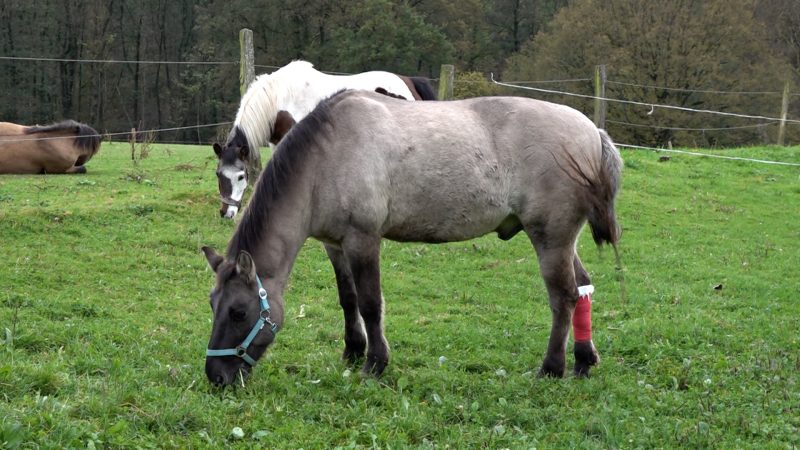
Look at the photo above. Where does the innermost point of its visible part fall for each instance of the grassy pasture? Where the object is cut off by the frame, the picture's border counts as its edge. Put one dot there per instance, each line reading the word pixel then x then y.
pixel 104 322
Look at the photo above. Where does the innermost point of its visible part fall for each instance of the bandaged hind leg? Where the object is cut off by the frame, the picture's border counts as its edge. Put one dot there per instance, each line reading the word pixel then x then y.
pixel 585 353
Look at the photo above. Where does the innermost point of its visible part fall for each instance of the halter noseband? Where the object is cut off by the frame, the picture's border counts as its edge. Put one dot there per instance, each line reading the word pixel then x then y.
pixel 263 319
pixel 230 202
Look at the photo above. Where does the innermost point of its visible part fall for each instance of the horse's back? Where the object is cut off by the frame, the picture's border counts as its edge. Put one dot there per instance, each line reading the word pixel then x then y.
pixel 9 130
pixel 40 149
pixel 443 171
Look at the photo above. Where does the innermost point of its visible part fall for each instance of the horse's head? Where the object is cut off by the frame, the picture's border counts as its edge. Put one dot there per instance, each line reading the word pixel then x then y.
pixel 245 320
pixel 232 172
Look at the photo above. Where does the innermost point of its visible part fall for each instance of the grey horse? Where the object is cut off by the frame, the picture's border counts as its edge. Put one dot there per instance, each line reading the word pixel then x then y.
pixel 461 170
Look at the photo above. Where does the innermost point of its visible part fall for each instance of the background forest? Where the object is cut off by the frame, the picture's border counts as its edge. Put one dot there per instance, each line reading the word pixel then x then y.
pixel 722 55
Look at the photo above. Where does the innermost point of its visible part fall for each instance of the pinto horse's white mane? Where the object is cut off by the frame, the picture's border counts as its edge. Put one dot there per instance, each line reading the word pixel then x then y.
pixel 297 88
pixel 260 104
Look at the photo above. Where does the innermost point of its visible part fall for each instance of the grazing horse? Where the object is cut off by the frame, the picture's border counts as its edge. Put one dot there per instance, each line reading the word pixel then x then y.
pixel 275 102
pixel 63 147
pixel 463 169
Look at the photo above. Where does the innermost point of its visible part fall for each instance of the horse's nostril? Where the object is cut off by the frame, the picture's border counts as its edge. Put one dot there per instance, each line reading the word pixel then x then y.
pixel 219 380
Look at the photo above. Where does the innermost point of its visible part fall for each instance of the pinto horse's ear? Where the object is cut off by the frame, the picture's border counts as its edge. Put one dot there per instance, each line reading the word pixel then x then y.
pixel 245 266
pixel 213 258
pixel 244 151
pixel 218 149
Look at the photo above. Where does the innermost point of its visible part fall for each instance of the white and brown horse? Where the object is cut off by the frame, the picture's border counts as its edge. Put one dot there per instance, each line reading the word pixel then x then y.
pixel 275 102
pixel 463 169
pixel 63 147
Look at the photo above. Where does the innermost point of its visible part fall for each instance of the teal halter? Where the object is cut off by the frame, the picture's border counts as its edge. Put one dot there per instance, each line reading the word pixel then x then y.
pixel 263 319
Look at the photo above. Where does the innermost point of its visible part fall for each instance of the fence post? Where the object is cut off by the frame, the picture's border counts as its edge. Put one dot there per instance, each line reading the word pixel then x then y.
pixel 600 93
pixel 247 73
pixel 784 111
pixel 446 82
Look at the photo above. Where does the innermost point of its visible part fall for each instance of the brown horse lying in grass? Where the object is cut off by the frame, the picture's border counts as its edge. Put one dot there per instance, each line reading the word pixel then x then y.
pixel 62 147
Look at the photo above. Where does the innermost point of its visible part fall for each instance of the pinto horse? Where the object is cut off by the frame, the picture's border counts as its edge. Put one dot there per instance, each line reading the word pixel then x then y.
pixel 275 102
pixel 62 147
pixel 464 169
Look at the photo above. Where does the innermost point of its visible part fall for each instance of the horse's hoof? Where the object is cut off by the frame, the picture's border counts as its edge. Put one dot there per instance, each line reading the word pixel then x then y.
pixel 586 356
pixel 551 369
pixel 351 356
pixel 374 367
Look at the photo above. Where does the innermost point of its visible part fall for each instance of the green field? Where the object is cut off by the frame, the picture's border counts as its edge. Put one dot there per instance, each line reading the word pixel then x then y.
pixel 104 321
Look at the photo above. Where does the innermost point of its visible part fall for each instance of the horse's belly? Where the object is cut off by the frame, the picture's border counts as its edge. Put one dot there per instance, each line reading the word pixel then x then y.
pixel 435 225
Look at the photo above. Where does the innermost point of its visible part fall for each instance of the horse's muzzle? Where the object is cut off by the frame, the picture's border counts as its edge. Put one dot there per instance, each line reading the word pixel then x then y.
pixel 223 371
pixel 229 208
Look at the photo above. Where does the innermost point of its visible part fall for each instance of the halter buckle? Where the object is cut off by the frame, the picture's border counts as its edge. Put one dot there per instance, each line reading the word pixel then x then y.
pixel 241 351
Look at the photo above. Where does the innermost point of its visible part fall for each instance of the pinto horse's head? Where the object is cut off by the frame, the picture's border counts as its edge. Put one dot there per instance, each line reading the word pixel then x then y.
pixel 232 172
pixel 245 320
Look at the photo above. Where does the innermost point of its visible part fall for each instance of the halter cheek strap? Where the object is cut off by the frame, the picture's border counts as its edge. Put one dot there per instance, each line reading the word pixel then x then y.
pixel 263 319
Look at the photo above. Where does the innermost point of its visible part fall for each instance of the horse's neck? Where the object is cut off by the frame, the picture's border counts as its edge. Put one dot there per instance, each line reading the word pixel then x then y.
pixel 278 229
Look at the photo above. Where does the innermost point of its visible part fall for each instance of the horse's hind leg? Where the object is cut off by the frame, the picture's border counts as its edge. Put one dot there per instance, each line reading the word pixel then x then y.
pixel 363 254
pixel 555 252
pixel 354 340
pixel 586 354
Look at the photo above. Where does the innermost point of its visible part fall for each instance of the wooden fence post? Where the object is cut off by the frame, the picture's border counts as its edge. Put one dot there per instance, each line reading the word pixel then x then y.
pixel 247 73
pixel 600 93
pixel 784 111
pixel 446 82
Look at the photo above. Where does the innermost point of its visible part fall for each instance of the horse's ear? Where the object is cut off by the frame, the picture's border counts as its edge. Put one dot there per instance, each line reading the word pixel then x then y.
pixel 218 149
pixel 244 152
pixel 213 258
pixel 245 266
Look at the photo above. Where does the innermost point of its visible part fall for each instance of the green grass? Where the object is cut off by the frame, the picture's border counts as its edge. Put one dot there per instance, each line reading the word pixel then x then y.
pixel 104 321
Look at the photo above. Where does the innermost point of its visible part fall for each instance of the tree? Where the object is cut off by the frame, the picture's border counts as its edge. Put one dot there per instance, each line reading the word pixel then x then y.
pixel 666 52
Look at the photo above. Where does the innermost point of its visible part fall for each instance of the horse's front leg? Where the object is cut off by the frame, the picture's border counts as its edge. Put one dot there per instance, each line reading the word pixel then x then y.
pixel 363 254
pixel 355 342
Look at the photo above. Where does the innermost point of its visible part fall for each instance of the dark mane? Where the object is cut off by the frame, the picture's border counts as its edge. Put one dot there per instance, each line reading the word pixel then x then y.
pixel 86 138
pixel 276 179
pixel 423 87
pixel 236 139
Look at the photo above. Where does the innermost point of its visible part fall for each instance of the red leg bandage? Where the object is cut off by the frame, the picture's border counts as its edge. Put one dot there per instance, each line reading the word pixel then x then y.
pixel 582 318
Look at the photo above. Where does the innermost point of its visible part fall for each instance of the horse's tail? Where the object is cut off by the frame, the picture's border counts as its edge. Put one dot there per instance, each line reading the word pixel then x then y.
pixel 604 188
pixel 424 87
pixel 602 217
pixel 86 138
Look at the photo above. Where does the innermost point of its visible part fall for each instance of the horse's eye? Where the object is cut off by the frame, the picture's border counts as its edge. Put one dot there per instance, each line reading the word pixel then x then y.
pixel 241 177
pixel 238 315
